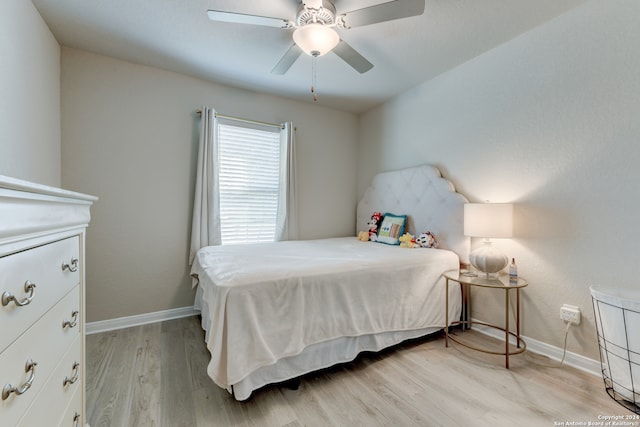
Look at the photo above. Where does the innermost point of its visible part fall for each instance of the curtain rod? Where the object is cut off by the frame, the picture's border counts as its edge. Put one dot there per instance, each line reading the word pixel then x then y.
pixel 240 119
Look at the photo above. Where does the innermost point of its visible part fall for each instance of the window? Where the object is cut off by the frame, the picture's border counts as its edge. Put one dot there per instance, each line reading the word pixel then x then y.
pixel 249 182
pixel 245 189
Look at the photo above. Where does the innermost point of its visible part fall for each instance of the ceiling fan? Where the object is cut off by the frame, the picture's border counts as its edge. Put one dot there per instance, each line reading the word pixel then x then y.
pixel 315 28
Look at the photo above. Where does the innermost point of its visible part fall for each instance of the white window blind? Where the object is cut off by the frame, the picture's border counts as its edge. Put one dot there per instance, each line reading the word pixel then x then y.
pixel 249 170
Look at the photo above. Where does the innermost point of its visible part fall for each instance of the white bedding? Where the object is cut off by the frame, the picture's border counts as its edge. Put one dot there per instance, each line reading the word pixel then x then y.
pixel 271 304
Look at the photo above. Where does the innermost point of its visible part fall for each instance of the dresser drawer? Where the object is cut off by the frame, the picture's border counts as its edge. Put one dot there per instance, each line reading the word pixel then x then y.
pixel 73 416
pixel 43 267
pixel 55 397
pixel 44 343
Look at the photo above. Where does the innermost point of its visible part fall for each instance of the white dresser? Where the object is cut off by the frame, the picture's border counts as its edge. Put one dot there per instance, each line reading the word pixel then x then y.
pixel 42 345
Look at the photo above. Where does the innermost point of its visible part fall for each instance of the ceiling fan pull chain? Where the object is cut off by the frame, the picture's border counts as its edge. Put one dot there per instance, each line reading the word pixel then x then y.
pixel 313 78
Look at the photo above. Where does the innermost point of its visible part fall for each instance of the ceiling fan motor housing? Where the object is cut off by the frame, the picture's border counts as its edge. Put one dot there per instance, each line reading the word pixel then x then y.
pixel 325 14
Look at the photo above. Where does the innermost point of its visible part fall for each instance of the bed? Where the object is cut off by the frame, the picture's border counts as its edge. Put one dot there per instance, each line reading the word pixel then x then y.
pixel 272 312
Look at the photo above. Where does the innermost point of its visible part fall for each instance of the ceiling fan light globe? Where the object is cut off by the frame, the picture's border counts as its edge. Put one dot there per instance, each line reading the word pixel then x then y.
pixel 316 39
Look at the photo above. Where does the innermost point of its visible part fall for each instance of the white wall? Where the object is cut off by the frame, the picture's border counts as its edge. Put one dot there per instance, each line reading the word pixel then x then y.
pixel 130 137
pixel 549 121
pixel 29 95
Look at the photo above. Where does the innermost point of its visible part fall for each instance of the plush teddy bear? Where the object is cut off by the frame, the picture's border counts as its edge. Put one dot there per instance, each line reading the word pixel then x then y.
pixel 407 241
pixel 427 240
pixel 374 223
pixel 363 236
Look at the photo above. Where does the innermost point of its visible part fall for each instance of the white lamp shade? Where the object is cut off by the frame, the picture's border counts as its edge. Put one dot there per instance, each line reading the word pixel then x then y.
pixel 316 39
pixel 489 220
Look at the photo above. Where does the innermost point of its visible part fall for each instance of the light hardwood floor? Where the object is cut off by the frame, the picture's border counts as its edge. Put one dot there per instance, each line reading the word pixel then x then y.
pixel 155 375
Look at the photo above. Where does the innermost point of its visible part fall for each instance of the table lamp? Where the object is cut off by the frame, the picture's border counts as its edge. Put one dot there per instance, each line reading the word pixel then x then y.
pixel 488 220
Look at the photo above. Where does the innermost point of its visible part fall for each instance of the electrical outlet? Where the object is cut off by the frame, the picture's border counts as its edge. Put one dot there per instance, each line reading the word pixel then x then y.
pixel 570 314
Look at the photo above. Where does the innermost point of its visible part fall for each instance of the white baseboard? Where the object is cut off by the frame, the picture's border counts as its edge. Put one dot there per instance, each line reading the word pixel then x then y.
pixel 571 359
pixel 139 319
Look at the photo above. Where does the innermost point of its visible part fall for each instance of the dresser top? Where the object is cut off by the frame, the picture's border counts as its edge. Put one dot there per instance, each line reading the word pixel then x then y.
pixel 10 183
pixel 37 213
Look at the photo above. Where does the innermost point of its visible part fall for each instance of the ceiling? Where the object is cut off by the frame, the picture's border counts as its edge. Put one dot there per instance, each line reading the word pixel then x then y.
pixel 176 35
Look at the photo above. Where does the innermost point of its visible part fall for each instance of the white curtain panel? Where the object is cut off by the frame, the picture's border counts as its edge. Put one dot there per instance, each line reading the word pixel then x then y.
pixel 205 227
pixel 287 216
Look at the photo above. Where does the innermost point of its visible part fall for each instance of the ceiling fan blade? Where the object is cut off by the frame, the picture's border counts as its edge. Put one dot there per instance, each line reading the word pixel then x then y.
pixel 352 57
pixel 287 60
pixel 388 11
pixel 241 18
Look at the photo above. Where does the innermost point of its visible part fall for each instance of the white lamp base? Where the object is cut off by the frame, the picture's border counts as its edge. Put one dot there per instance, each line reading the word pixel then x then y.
pixel 487 260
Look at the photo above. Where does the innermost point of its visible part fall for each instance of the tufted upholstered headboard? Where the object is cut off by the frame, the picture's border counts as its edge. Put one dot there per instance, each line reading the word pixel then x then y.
pixel 429 200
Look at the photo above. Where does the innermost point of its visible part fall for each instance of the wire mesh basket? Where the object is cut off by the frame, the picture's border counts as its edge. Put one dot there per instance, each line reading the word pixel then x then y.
pixel 617 316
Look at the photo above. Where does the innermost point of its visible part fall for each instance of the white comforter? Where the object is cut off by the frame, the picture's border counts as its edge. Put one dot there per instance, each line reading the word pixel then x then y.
pixel 270 301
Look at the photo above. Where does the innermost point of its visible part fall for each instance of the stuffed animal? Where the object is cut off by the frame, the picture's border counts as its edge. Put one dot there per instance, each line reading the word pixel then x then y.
pixel 427 240
pixel 363 236
pixel 374 223
pixel 407 241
